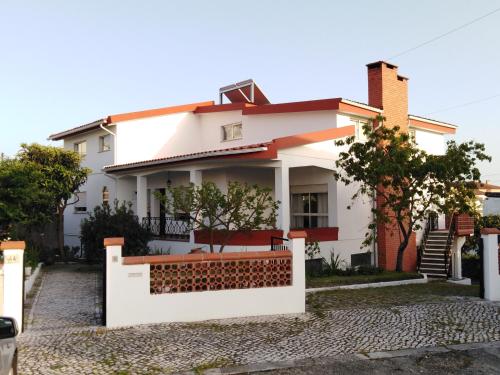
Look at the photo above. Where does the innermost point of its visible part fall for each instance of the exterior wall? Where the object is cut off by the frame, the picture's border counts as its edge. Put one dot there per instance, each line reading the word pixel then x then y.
pixel 491 206
pixel 430 142
pixel 94 160
pixel 491 255
pixel 130 302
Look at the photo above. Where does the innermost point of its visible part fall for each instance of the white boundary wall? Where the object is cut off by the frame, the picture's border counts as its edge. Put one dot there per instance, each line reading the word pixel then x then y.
pixel 13 266
pixel 129 302
pixel 490 264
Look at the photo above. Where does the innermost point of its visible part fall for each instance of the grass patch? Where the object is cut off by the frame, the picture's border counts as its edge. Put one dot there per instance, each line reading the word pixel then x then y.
pixel 324 281
pixel 220 362
pixel 431 292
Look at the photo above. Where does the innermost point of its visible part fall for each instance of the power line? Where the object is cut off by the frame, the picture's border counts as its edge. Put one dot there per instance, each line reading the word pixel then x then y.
pixel 445 34
pixel 465 104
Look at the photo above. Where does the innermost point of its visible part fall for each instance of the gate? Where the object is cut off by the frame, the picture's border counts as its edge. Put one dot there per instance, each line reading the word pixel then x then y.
pixel 103 290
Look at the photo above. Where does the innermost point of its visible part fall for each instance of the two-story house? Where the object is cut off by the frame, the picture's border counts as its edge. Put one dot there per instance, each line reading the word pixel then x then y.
pixel 289 147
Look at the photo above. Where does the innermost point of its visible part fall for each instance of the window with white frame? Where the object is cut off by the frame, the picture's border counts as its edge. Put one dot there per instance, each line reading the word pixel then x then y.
pixel 358 126
pixel 81 148
pixel 413 136
pixel 81 203
pixel 105 195
pixel 231 132
pixel 309 206
pixel 105 143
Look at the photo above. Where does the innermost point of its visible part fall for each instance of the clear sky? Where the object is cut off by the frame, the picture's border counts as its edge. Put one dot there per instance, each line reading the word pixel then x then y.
pixel 66 63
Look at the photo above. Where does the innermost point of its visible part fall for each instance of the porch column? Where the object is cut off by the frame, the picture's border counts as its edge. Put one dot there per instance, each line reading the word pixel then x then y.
pixel 142 197
pixel 456 257
pixel 332 202
pixel 282 193
pixel 196 178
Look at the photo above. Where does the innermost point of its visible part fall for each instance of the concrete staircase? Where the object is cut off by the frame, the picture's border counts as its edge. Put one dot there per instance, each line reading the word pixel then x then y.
pixel 432 262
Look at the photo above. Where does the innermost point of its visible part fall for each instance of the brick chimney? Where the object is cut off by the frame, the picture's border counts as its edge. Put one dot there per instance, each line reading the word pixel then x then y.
pixel 388 91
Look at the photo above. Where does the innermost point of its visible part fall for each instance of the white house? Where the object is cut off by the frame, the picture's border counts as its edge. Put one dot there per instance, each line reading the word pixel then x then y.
pixel 286 146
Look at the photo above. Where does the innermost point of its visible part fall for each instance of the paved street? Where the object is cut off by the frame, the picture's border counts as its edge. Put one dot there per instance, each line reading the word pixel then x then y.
pixel 64 337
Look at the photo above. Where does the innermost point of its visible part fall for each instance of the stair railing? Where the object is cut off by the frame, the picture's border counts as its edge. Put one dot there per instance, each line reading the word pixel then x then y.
pixel 449 242
pixel 421 248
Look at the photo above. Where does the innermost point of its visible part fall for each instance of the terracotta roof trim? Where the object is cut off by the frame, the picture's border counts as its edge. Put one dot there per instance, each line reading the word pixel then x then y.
pixel 434 122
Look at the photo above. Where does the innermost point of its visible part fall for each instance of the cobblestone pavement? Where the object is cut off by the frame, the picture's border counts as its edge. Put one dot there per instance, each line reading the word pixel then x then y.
pixel 64 337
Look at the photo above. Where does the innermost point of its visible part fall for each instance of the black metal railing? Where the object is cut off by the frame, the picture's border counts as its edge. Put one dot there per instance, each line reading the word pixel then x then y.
pixel 167 227
pixel 429 225
pixel 449 242
pixel 276 245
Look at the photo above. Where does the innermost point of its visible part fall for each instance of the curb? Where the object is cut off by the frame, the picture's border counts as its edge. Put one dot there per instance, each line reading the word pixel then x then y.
pixel 382 284
pixel 268 366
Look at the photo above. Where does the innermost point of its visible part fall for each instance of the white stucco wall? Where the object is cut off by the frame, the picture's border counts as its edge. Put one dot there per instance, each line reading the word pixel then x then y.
pixel 431 142
pixel 491 206
pixel 96 180
pixel 129 301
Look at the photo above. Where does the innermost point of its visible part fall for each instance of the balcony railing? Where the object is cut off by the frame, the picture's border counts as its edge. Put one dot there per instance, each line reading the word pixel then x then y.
pixel 167 228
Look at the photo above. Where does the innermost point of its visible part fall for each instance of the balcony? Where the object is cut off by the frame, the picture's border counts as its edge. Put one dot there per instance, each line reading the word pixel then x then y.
pixel 167 228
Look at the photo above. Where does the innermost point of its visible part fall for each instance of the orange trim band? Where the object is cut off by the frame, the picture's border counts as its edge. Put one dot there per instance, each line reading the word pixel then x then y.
pixel 297 234
pixel 157 112
pixel 12 245
pixel 433 127
pixel 114 241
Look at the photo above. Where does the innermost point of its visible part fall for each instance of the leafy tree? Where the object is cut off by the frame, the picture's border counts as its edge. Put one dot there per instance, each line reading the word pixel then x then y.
pixel 22 202
pixel 243 208
pixel 117 220
pixel 407 182
pixel 62 176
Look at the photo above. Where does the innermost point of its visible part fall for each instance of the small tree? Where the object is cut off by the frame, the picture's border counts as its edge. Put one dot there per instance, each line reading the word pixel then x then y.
pixel 22 202
pixel 407 182
pixel 243 208
pixel 117 220
pixel 62 177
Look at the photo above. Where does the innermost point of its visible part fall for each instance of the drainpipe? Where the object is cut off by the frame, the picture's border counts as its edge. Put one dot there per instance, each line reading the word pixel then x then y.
pixel 375 246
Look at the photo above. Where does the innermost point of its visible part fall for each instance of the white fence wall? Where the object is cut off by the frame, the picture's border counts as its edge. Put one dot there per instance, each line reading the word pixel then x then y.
pixel 129 301
pixel 490 264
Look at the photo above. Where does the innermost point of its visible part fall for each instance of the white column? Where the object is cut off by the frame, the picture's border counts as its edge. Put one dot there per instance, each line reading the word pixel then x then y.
pixel 456 259
pixel 282 193
pixel 142 197
pixel 490 264
pixel 196 178
pixel 13 253
pixel 297 246
pixel 332 202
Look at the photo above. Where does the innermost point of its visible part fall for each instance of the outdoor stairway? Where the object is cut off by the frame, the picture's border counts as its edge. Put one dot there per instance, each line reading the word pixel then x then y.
pixel 433 257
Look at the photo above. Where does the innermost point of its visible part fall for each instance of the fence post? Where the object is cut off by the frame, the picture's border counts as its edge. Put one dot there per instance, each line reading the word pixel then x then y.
pixel 112 258
pixel 298 248
pixel 490 264
pixel 13 283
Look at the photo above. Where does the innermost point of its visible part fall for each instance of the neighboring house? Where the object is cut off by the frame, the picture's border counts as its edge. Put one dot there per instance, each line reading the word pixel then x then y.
pixel 288 147
pixel 488 197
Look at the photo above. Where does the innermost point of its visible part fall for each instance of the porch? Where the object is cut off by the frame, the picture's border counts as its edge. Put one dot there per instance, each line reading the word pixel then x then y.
pixel 308 196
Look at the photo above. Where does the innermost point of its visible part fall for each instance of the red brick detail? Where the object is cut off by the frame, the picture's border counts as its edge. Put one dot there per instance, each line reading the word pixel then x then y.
pixel 12 245
pixel 204 272
pixel 464 225
pixel 114 241
pixel 322 234
pixel 490 231
pixel 389 91
pixel 240 238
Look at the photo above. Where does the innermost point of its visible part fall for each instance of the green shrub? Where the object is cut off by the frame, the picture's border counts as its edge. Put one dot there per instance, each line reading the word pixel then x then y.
pixel 116 221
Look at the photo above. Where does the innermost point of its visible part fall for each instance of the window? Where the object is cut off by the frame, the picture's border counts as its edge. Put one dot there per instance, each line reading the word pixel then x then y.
pixel 81 148
pixel 105 195
pixel 105 143
pixel 81 204
pixel 413 136
pixel 358 124
pixel 310 210
pixel 232 131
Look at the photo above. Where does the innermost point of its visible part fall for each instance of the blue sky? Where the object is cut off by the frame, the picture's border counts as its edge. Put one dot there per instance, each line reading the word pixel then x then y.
pixel 65 63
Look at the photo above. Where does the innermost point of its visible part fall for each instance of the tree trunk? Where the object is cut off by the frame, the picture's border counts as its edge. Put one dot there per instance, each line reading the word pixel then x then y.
pixel 211 240
pixel 60 232
pixel 401 249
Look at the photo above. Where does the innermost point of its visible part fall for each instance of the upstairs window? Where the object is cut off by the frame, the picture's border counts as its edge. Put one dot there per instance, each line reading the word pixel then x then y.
pixel 81 148
pixel 81 204
pixel 358 125
pixel 105 195
pixel 232 131
pixel 105 143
